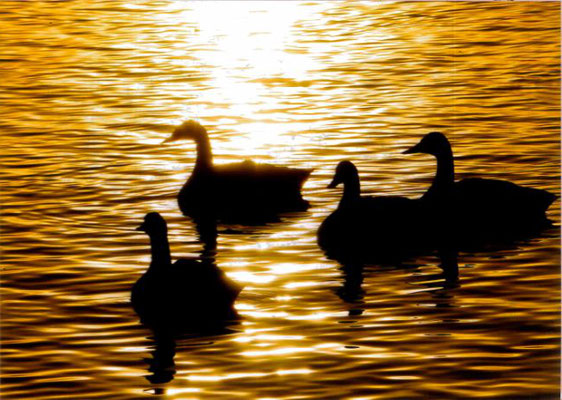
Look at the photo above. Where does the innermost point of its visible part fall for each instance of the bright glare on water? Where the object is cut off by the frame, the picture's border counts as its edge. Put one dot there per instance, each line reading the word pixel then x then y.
pixel 89 90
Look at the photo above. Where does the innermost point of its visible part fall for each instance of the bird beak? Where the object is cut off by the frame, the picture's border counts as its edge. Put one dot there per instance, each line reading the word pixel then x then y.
pixel 168 140
pixel 411 150
pixel 173 137
pixel 333 184
pixel 141 228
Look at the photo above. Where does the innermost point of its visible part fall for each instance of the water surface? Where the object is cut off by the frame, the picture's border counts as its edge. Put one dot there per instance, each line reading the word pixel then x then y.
pixel 90 89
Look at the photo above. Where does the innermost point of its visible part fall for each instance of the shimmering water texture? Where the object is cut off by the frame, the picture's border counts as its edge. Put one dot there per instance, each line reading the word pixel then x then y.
pixel 89 90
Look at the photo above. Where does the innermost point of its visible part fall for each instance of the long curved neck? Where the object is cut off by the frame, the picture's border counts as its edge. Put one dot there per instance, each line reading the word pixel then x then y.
pixel 351 190
pixel 204 155
pixel 445 176
pixel 160 250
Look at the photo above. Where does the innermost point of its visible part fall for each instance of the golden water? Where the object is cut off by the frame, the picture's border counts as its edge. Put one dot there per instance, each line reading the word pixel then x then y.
pixel 88 90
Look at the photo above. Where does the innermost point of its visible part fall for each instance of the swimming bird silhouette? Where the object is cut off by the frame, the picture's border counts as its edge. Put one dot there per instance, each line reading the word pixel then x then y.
pixel 373 228
pixel 239 191
pixel 188 293
pixel 477 207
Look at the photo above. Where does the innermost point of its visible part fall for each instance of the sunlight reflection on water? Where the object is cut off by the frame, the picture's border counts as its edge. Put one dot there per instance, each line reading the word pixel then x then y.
pixel 89 92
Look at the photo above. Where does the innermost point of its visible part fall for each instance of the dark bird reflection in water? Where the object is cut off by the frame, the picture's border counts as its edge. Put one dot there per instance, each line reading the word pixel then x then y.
pixel 351 290
pixel 243 192
pixel 162 366
pixel 191 297
pixel 441 285
pixel 353 274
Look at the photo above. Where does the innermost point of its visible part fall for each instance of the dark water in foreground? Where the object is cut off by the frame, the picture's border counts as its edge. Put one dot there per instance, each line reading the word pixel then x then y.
pixel 89 90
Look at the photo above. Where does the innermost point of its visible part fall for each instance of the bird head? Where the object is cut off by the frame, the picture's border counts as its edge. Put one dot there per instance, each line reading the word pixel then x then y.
pixel 153 224
pixel 188 130
pixel 433 143
pixel 344 172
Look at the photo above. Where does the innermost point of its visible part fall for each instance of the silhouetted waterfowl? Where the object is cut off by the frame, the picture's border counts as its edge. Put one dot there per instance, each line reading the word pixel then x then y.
pixel 376 228
pixel 237 191
pixel 188 293
pixel 478 207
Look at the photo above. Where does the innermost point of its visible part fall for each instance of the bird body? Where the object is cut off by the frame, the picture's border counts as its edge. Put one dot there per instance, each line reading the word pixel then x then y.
pixel 242 190
pixel 502 199
pixel 371 228
pixel 237 191
pixel 189 292
pixel 477 209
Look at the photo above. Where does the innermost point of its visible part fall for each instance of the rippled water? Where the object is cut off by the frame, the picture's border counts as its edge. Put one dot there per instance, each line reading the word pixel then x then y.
pixel 90 89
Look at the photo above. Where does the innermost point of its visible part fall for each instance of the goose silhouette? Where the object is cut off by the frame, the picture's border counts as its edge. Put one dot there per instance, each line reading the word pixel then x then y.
pixel 239 191
pixel 189 293
pixel 477 208
pixel 363 228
